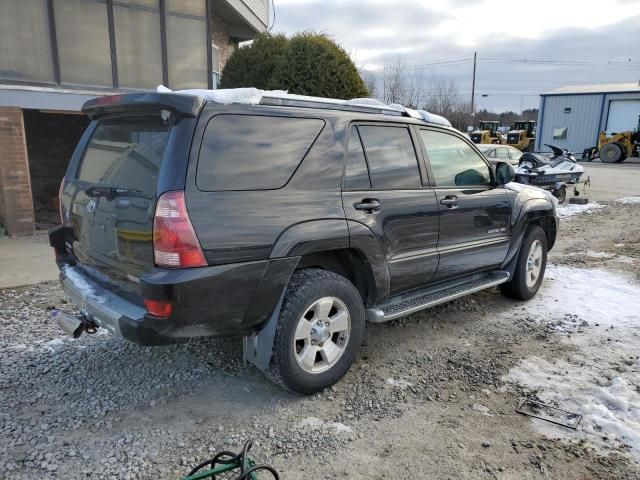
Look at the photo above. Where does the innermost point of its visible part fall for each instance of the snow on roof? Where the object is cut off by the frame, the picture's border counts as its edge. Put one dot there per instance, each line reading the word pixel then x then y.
pixel 253 96
pixel 600 88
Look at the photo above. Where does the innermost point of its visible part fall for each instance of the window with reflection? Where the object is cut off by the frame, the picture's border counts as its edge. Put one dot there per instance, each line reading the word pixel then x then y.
pixel 25 42
pixel 391 156
pixel 247 152
pixel 138 43
pixel 356 175
pixel 187 43
pixel 82 31
pixel 453 161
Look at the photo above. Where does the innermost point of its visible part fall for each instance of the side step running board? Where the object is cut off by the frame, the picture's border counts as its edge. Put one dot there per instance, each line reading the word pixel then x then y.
pixel 426 298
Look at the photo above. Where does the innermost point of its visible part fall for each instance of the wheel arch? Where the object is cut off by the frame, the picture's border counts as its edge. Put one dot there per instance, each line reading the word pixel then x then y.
pixel 536 211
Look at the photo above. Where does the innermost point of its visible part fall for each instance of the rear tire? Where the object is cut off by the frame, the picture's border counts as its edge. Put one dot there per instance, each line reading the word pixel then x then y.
pixel 530 266
pixel 611 153
pixel 319 332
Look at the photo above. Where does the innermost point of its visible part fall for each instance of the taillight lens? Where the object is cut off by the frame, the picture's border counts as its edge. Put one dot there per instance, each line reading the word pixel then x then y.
pixel 157 308
pixel 175 244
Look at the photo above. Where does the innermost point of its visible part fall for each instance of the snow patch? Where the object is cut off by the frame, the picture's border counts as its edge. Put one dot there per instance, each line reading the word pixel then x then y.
pixel 601 380
pixel 398 383
pixel 478 407
pixel 570 210
pixel 79 282
pixel 53 345
pixel 249 96
pixel 629 200
pixel 602 256
pixel 315 423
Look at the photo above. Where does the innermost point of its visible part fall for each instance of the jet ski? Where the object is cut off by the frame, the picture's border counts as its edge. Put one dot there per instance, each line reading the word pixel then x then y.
pixel 552 173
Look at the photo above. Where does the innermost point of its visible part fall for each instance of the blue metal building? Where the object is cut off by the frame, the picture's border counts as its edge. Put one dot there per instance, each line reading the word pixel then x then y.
pixel 573 116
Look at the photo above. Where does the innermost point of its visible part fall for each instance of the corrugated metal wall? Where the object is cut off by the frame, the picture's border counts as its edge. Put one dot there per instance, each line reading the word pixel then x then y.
pixel 582 121
pixel 587 117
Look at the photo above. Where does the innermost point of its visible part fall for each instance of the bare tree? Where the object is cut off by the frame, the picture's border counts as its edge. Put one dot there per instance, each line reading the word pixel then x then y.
pixel 370 82
pixel 393 80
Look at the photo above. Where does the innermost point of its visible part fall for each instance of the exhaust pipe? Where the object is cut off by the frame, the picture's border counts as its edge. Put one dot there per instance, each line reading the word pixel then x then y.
pixel 71 325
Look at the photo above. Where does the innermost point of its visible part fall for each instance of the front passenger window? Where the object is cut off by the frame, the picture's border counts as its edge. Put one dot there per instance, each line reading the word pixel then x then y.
pixel 453 161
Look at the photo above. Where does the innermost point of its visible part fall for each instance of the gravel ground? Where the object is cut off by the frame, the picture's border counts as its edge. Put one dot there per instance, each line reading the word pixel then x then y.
pixel 425 398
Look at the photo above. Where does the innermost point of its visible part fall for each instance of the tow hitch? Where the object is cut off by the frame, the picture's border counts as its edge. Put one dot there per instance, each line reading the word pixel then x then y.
pixel 73 325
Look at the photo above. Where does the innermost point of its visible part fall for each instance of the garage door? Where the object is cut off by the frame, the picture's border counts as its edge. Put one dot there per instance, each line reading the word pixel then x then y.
pixel 623 115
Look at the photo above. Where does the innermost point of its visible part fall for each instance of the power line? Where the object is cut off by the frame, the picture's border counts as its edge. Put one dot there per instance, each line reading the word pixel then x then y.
pixel 466 61
pixel 445 63
pixel 535 61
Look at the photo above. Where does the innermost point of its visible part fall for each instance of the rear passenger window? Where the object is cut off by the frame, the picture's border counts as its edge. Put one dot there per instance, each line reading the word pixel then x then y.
pixel 246 152
pixel 357 174
pixel 391 157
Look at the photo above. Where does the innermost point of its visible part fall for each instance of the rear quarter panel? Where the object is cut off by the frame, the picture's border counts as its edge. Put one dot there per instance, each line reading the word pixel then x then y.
pixel 241 226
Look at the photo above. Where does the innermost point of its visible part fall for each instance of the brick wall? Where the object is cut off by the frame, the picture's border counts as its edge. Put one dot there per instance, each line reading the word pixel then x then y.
pixel 220 37
pixel 16 206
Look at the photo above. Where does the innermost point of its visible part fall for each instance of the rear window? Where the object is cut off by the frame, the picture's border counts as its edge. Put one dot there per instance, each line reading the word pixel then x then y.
pixel 247 152
pixel 391 157
pixel 126 152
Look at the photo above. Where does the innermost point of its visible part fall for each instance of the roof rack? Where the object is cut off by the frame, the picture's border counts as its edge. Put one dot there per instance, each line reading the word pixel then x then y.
pixel 290 100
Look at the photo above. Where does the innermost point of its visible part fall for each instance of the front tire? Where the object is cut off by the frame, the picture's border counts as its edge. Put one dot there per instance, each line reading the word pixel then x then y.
pixel 319 332
pixel 611 153
pixel 530 266
pixel 560 194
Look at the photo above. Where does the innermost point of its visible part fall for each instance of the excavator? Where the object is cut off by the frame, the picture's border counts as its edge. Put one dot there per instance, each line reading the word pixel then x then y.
pixel 522 135
pixel 487 132
pixel 616 147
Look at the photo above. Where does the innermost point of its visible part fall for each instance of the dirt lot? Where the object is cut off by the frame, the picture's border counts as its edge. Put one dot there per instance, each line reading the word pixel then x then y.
pixel 431 396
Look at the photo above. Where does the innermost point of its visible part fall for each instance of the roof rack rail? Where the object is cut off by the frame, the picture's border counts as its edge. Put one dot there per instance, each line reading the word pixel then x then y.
pixel 289 100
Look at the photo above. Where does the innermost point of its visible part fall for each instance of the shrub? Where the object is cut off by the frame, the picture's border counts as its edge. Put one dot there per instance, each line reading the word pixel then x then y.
pixel 307 64
pixel 254 65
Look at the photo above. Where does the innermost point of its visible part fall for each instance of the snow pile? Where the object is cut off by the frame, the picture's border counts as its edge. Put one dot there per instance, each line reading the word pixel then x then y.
pixel 570 210
pixel 629 200
pixel 253 96
pixel 601 380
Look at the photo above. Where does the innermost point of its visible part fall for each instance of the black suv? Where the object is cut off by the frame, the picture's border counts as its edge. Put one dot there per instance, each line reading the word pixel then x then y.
pixel 288 223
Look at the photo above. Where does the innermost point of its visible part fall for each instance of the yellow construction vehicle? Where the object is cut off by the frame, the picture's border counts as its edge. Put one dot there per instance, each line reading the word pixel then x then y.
pixel 522 135
pixel 487 132
pixel 615 147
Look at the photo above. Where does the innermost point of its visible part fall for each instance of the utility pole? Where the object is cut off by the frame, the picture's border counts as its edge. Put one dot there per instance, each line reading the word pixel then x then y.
pixel 473 83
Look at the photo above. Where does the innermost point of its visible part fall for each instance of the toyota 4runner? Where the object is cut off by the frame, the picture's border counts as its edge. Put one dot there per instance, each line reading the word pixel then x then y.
pixel 289 223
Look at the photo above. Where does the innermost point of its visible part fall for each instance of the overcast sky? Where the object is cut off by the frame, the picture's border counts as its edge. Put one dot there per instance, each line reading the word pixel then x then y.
pixel 424 32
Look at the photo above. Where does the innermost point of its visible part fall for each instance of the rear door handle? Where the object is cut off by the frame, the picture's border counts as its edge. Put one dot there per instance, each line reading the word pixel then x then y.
pixel 368 205
pixel 451 201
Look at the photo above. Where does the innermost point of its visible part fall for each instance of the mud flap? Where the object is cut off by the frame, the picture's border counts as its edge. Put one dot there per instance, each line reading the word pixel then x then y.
pixel 257 348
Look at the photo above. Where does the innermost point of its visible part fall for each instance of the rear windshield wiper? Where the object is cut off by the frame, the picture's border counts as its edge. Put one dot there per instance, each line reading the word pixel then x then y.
pixel 111 193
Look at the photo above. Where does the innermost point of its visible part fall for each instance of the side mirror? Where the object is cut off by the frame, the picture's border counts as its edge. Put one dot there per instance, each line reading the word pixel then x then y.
pixel 504 173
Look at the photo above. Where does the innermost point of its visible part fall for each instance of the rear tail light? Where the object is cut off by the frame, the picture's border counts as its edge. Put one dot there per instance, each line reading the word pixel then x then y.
pixel 157 308
pixel 175 244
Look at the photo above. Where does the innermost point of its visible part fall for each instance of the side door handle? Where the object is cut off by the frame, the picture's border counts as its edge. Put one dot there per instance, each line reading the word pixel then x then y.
pixel 368 205
pixel 451 201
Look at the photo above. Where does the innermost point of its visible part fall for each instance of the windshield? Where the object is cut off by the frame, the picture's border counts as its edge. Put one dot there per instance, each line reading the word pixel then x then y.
pixel 126 152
